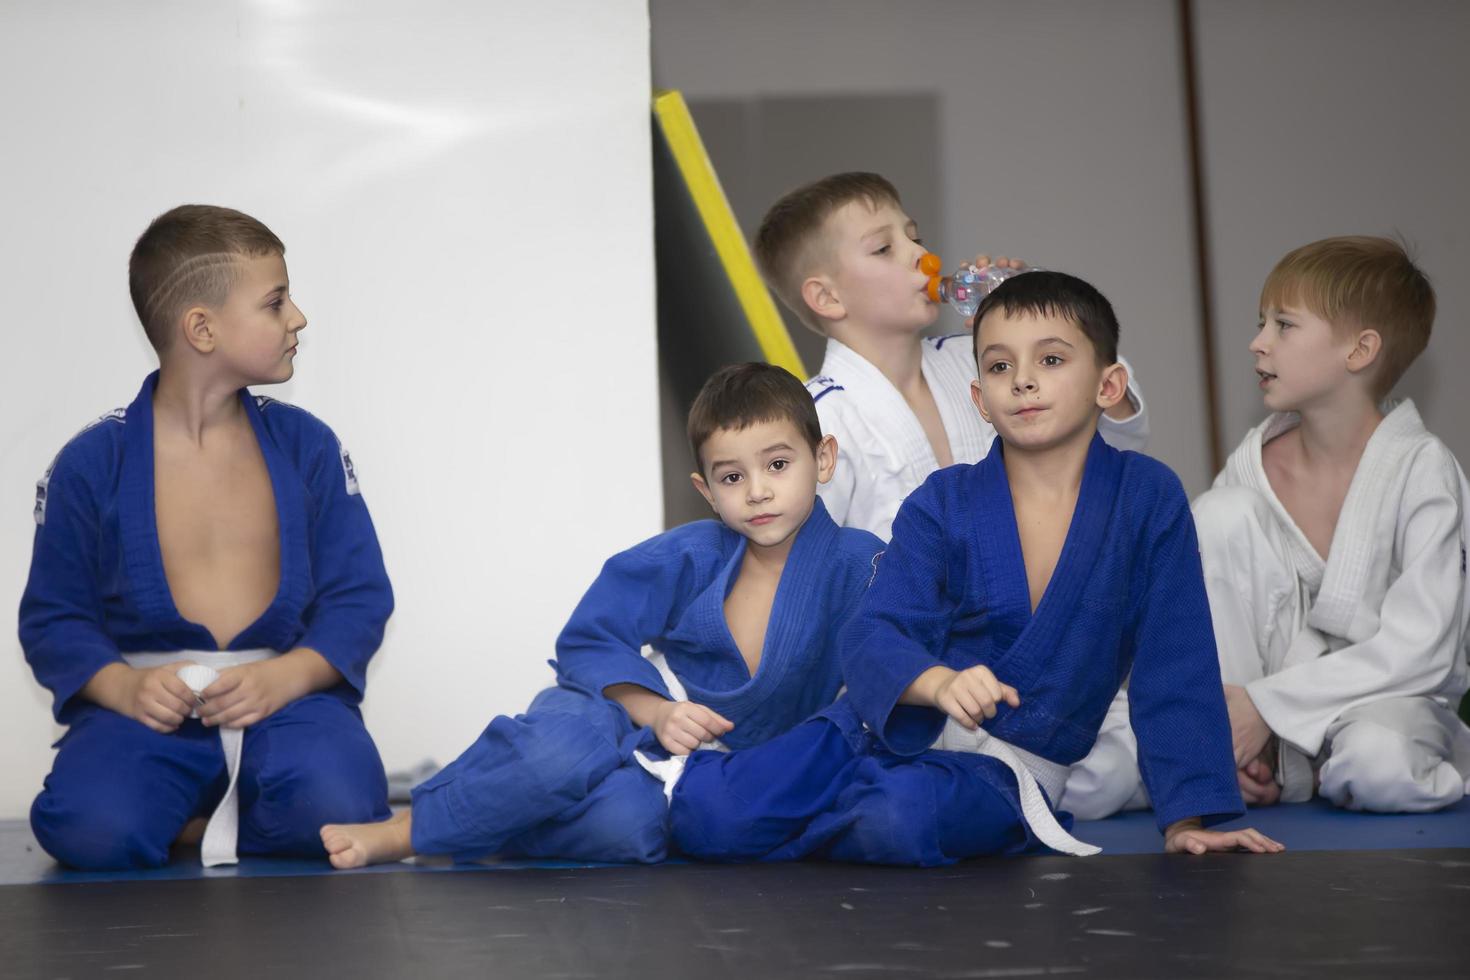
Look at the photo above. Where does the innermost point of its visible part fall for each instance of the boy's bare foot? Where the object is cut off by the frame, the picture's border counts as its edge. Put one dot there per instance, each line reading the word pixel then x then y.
pixel 354 845
pixel 192 833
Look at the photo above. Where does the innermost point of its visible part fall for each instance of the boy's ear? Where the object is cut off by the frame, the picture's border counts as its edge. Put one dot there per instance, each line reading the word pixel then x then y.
pixel 978 398
pixel 820 295
pixel 826 458
pixel 198 329
pixel 698 480
pixel 1365 351
pixel 1113 387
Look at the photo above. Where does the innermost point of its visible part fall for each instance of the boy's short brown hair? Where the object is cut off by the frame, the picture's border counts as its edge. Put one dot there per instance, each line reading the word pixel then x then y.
pixel 789 241
pixel 189 255
pixel 1041 293
pixel 1358 282
pixel 742 395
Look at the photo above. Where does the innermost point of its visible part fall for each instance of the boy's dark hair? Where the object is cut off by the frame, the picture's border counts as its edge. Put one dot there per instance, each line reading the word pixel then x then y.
pixel 190 255
pixel 789 243
pixel 1055 294
pixel 741 395
pixel 1358 282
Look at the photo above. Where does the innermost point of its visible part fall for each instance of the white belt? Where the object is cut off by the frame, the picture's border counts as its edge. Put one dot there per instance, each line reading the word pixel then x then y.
pixel 1032 772
pixel 669 770
pixel 223 829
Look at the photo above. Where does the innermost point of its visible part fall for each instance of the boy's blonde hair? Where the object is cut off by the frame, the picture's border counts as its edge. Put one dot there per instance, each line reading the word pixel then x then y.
pixel 1359 282
pixel 789 244
pixel 189 256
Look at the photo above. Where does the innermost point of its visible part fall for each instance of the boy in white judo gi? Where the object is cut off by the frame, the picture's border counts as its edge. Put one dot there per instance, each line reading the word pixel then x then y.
pixel 843 256
pixel 1334 548
pixel 205 532
pixel 743 611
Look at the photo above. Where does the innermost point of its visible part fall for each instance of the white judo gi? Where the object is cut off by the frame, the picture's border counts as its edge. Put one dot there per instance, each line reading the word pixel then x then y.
pixel 1359 662
pixel 883 455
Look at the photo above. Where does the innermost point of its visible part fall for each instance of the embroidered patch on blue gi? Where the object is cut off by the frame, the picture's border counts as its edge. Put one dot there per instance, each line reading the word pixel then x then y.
pixel 119 415
pixel 349 472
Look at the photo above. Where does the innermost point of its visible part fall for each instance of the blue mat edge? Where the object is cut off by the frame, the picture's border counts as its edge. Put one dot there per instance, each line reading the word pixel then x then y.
pixel 1314 826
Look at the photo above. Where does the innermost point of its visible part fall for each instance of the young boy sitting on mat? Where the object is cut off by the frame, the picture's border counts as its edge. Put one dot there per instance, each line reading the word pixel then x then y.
pixel 205 553
pixel 1015 596
pixel 843 256
pixel 743 614
pixel 1334 548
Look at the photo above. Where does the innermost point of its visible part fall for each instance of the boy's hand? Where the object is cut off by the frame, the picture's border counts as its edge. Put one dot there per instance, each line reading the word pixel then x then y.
pixel 1188 837
pixel 971 696
pixel 682 725
pixel 1000 262
pixel 1258 783
pixel 156 697
pixel 251 693
pixel 1249 732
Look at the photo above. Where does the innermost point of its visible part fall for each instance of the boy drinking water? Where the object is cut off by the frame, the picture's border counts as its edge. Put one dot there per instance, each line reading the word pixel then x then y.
pixel 205 527
pixel 1016 595
pixel 742 613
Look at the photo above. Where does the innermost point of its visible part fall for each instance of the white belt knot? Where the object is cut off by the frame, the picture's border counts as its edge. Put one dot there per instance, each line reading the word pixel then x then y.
pixel 223 830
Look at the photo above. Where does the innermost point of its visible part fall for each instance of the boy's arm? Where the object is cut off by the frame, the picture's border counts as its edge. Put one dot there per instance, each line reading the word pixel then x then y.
pixel 61 626
pixel 352 595
pixel 1175 699
pixel 1125 425
pixel 633 600
pixel 890 649
pixel 1419 643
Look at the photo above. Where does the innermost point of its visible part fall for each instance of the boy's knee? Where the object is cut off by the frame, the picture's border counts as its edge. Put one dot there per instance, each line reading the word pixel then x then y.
pixel 1222 514
pixel 894 818
pixel 93 834
pixel 705 821
pixel 1374 767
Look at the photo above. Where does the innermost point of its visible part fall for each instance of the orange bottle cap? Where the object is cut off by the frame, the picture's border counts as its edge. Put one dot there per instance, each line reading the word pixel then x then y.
pixel 931 264
pixel 932 288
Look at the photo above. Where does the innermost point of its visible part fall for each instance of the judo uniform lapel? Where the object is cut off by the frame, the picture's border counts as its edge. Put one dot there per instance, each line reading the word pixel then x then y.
pixel 790 672
pixel 1028 637
pixel 138 523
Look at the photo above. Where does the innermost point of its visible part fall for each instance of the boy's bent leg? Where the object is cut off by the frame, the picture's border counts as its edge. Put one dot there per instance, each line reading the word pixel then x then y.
pixel 1396 755
pixel 745 805
pixel 1107 780
pixel 933 809
pixel 1256 603
pixel 311 763
pixel 119 793
pixel 624 820
pixel 520 773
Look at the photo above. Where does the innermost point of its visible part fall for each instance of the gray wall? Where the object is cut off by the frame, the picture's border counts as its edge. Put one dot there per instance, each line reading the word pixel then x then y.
pixel 1060 137
pixel 1329 117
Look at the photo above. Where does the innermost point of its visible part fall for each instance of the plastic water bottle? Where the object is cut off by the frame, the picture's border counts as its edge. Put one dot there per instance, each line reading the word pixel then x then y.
pixel 966 287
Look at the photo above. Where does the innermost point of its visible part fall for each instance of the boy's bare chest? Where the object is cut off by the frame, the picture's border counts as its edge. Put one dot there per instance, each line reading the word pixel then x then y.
pixel 1043 533
pixel 218 533
pixel 1313 501
pixel 748 614
pixel 926 410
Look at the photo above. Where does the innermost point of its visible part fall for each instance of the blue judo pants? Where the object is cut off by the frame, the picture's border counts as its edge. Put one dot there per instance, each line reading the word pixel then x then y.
pixel 559 781
pixel 119 793
pixel 818 791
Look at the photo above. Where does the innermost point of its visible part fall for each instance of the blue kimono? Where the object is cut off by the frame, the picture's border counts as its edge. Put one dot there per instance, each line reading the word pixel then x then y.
pixel 561 780
pixel 119 793
pixel 863 784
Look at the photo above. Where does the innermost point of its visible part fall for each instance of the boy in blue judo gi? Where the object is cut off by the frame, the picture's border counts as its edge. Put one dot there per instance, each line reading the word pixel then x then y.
pixel 740 615
pixel 1015 596
pixel 205 554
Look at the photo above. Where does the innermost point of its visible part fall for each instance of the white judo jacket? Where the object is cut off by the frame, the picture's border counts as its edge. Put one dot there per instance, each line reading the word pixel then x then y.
pixel 1389 610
